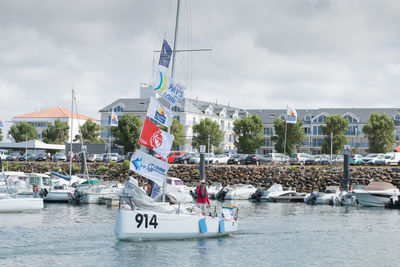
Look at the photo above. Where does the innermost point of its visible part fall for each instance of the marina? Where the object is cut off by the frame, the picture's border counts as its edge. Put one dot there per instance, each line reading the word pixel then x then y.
pixel 270 234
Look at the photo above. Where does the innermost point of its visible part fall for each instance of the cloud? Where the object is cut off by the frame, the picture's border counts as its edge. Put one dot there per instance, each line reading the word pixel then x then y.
pixel 266 54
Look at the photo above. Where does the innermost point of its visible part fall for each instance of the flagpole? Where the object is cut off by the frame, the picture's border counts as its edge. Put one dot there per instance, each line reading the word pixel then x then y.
pixel 175 37
pixel 284 143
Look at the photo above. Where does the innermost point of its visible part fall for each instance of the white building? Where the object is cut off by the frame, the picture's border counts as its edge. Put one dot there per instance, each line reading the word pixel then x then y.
pixel 41 119
pixel 188 113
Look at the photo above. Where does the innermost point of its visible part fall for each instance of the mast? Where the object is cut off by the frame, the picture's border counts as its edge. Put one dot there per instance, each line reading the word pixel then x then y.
pixel 72 124
pixel 175 37
pixel 172 77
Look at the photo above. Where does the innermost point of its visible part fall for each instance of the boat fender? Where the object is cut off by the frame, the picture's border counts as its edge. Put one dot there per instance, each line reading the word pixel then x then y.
pixel 35 188
pixel 147 188
pixel 203 225
pixel 222 226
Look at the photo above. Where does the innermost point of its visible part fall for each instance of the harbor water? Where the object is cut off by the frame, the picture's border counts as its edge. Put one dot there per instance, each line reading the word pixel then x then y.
pixel 271 234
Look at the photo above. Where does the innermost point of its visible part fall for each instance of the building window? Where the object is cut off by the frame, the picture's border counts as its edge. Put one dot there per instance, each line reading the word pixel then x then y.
pixel 350 119
pixel 317 130
pixel 268 131
pixel 118 109
pixel 397 120
pixel 194 121
pixel 282 117
pixel 307 118
pixel 320 119
pixel 176 109
pixel 352 130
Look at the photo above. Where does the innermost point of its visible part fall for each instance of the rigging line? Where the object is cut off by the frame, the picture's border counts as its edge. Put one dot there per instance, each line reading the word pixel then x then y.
pixel 80 133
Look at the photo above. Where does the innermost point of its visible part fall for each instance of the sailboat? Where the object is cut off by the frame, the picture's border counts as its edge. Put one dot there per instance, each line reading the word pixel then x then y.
pixel 139 216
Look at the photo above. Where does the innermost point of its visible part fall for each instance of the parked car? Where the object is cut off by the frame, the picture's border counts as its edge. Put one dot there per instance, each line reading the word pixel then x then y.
pixel 220 159
pixel 311 160
pixel 195 159
pixel 237 159
pixel 43 156
pixel 14 156
pixel 298 158
pixel 255 159
pixel 276 159
pixel 323 159
pixel 91 157
pixel 356 159
pixel 391 158
pixel 28 157
pixel 108 157
pixel 370 159
pixel 339 159
pixel 59 157
pixel 173 154
pixel 99 157
pixel 121 158
pixel 184 159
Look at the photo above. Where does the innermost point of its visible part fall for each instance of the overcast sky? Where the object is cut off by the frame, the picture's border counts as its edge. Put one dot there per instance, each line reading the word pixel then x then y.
pixel 265 54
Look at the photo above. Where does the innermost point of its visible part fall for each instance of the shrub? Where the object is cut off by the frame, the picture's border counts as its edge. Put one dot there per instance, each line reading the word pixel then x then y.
pixel 112 164
pixel 75 169
pixel 102 169
pixel 46 168
pixel 125 165
pixel 292 168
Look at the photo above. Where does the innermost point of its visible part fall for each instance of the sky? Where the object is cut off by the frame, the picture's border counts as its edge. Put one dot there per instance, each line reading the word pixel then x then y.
pixel 265 54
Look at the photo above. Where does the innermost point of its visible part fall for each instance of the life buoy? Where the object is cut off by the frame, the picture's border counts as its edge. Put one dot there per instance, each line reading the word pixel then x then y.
pixel 35 188
pixel 147 188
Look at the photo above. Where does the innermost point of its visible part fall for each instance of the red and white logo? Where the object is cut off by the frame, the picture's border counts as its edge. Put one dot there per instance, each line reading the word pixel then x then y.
pixel 155 138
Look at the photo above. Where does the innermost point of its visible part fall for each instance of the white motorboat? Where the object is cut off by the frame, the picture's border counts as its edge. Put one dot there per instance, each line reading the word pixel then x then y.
pixel 13 203
pixel 276 194
pixel 213 189
pixel 324 197
pixel 345 199
pixel 239 191
pixel 60 189
pixel 94 191
pixel 376 194
pixel 141 218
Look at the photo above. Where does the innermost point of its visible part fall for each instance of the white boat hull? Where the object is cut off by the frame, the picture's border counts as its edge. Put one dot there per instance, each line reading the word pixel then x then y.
pixel 20 204
pixel 169 226
pixel 367 199
pixel 57 196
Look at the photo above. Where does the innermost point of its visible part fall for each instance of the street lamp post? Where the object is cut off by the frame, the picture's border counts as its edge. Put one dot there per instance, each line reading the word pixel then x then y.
pixel 208 148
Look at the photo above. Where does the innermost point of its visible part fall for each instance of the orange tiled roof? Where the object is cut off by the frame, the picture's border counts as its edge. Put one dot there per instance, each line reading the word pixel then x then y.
pixel 55 112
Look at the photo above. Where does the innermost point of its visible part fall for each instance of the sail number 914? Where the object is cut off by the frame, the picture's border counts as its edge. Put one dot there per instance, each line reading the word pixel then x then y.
pixel 140 218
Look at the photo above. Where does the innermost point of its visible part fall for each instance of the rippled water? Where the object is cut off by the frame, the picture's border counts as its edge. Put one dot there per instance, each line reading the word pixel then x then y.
pixel 271 234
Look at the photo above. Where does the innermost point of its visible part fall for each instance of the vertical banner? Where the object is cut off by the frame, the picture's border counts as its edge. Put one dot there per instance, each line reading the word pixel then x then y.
pixel 114 119
pixel 159 113
pixel 291 115
pixel 1 123
pixel 156 139
pixel 169 90
pixel 165 55
pixel 149 167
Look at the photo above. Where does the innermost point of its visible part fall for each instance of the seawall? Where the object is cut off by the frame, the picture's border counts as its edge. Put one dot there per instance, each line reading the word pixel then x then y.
pixel 303 178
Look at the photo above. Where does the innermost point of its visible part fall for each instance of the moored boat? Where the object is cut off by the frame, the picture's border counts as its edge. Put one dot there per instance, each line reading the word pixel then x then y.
pixel 376 194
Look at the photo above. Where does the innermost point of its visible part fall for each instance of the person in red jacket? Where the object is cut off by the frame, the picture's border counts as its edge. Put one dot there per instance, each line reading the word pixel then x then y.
pixel 202 196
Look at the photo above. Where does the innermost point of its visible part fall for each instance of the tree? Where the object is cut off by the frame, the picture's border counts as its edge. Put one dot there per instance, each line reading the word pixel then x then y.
pixel 294 135
pixel 57 133
pixel 127 132
pixel 337 125
pixel 249 132
pixel 1 135
pixel 379 130
pixel 204 129
pixel 90 132
pixel 23 131
pixel 178 133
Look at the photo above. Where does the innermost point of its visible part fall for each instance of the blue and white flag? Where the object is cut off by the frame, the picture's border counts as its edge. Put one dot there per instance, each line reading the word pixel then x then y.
pixel 159 113
pixel 165 55
pixel 291 115
pixel 149 167
pixel 1 123
pixel 169 90
pixel 114 119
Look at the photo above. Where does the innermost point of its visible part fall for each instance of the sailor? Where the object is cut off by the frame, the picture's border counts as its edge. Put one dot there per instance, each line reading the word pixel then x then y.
pixel 202 196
